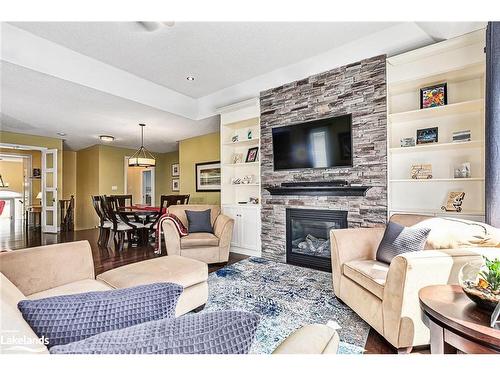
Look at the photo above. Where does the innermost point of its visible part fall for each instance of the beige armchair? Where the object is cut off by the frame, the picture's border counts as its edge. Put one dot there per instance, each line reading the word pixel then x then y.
pixel 386 296
pixel 207 247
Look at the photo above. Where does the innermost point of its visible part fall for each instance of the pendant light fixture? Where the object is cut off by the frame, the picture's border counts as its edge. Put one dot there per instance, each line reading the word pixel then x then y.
pixel 142 157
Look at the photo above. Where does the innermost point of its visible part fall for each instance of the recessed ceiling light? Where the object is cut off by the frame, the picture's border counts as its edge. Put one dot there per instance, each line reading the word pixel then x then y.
pixel 61 134
pixel 190 78
pixel 106 138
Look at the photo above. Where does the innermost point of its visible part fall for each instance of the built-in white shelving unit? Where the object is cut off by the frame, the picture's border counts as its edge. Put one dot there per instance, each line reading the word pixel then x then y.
pixel 460 62
pixel 241 120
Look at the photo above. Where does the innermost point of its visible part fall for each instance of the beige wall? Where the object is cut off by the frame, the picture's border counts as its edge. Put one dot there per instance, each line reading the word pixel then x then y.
pixel 87 184
pixel 69 174
pixel 36 162
pixel 38 141
pixel 100 167
pixel 164 177
pixel 12 172
pixel 200 149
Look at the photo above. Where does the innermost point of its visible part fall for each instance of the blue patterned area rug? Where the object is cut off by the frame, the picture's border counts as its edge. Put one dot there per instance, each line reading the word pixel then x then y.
pixel 286 297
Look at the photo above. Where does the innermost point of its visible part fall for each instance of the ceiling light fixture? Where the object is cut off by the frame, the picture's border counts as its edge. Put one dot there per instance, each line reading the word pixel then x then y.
pixel 142 157
pixel 61 134
pixel 190 78
pixel 106 138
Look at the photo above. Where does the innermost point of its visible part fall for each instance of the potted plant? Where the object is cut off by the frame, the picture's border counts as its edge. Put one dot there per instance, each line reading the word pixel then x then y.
pixel 480 280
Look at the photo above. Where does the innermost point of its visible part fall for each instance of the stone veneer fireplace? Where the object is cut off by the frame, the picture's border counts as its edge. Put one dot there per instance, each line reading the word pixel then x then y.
pixel 358 89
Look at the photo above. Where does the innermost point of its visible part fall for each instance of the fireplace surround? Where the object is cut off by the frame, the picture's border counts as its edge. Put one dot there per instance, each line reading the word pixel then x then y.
pixel 358 89
pixel 308 236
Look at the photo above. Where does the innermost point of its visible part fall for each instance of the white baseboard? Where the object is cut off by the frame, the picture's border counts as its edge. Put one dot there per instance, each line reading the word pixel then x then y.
pixel 241 250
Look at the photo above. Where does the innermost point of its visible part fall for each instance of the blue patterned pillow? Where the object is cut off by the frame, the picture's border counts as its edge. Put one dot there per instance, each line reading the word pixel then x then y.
pixel 220 332
pixel 399 240
pixel 69 318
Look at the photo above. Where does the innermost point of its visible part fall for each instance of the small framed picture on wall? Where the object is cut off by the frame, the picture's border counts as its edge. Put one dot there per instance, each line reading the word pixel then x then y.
pixel 176 185
pixel 175 170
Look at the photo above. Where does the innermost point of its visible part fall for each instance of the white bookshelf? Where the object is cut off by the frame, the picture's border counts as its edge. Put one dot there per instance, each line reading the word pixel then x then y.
pixel 460 62
pixel 237 120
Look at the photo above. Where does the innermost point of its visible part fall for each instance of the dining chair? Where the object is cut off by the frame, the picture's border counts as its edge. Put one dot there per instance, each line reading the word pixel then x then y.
pixel 104 224
pixel 165 202
pixel 121 226
pixel 172 200
pixel 122 200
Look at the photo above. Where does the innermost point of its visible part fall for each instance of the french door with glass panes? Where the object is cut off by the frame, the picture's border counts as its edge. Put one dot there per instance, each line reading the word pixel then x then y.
pixel 49 191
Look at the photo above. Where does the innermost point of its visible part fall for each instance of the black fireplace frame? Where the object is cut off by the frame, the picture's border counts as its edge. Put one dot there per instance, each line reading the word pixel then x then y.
pixel 311 261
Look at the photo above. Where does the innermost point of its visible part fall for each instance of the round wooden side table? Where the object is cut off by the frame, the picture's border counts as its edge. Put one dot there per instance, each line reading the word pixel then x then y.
pixel 457 325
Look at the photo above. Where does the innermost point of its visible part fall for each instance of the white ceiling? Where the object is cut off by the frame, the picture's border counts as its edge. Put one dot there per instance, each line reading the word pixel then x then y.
pixel 40 104
pixel 86 79
pixel 218 54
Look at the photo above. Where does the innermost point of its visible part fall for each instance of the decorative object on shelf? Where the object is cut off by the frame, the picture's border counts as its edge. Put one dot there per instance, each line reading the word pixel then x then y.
pixel 249 134
pixel 480 281
pixel 2 183
pixel 253 200
pixel 252 154
pixel 207 176
pixel 142 157
pixel 433 96
pixel 247 179
pixel 176 184
pixel 235 138
pixel 237 158
pixel 175 170
pixel 454 201
pixel 427 135
pixel 236 181
pixel 462 170
pixel 39 196
pixel 407 142
pixel 421 171
pixel 36 172
pixel 461 136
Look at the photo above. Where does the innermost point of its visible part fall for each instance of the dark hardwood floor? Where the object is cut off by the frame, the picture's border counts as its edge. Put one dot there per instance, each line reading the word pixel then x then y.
pixel 107 258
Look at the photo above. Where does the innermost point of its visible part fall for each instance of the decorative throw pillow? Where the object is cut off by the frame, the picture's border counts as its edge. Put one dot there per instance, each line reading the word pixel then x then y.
pixel 399 240
pixel 451 233
pixel 220 332
pixel 199 221
pixel 69 318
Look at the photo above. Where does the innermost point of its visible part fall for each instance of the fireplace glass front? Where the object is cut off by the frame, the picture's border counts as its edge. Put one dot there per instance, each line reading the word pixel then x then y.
pixel 308 236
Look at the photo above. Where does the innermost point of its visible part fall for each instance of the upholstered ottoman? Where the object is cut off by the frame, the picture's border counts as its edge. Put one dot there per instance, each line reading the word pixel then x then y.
pixel 190 273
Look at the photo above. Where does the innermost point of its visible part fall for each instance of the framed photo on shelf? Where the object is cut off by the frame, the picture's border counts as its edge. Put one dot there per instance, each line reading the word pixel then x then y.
pixel 433 96
pixel 175 170
pixel 427 135
pixel 176 185
pixel 252 155
pixel 207 176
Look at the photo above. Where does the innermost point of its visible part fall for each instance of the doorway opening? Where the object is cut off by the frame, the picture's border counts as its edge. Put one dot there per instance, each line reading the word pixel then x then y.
pixel 140 183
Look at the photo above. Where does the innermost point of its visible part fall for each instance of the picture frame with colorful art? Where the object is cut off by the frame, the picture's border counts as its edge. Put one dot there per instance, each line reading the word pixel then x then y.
pixel 434 96
pixel 176 184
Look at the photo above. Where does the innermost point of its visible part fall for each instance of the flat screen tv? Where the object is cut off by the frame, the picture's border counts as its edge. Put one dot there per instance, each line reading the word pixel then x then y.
pixel 324 143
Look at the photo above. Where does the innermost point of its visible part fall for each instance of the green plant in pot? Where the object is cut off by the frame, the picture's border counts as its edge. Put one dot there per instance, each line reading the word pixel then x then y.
pixel 480 280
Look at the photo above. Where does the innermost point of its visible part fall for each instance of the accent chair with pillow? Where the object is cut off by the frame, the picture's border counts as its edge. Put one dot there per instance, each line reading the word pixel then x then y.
pixel 381 283
pixel 207 241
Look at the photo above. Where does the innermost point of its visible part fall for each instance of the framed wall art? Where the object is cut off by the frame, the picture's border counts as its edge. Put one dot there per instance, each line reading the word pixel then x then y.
pixel 175 170
pixel 433 96
pixel 207 176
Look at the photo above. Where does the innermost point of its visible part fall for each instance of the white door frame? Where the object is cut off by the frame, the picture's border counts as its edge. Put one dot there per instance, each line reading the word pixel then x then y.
pixel 152 169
